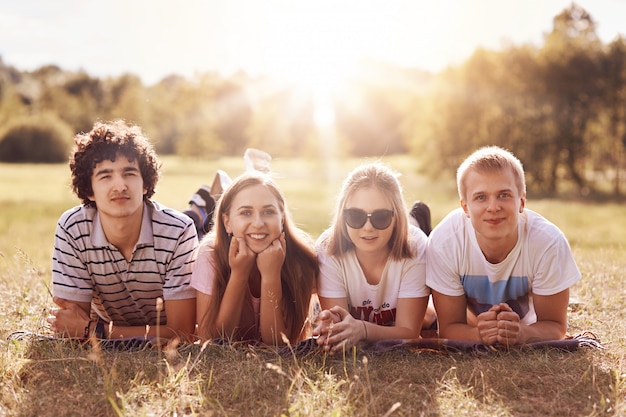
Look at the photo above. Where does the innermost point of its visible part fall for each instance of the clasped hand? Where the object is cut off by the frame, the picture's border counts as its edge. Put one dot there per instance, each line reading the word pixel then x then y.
pixel 337 330
pixel 269 261
pixel 69 320
pixel 500 324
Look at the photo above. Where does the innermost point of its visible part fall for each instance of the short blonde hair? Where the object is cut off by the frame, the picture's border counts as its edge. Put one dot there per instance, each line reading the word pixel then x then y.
pixel 490 158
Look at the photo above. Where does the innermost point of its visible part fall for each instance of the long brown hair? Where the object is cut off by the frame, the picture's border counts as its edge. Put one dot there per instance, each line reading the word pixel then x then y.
pixel 299 270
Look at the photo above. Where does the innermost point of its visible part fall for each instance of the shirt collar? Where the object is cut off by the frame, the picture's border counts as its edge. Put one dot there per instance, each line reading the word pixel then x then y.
pixel 98 238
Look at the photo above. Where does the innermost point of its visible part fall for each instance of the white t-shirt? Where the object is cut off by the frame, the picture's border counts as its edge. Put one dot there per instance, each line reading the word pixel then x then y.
pixel 540 263
pixel 342 277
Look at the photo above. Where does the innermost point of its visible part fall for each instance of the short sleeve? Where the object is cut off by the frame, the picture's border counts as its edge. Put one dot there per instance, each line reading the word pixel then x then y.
pixel 557 269
pixel 70 276
pixel 179 270
pixel 413 274
pixel 203 273
pixel 442 274
pixel 331 279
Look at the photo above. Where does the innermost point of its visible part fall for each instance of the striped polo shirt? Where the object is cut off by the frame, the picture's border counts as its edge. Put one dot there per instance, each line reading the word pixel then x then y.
pixel 87 268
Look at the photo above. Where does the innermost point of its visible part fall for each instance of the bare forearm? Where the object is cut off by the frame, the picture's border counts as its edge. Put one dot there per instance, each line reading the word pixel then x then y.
pixel 377 332
pixel 542 331
pixel 459 331
pixel 229 313
pixel 454 320
pixel 272 322
pixel 181 320
pixel 551 321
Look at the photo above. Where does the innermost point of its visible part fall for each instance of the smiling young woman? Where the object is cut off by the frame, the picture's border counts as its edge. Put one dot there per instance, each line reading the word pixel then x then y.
pixel 255 271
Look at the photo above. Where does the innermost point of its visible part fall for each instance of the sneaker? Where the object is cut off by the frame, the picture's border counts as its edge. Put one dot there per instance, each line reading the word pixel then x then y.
pixel 420 216
pixel 257 160
pixel 201 207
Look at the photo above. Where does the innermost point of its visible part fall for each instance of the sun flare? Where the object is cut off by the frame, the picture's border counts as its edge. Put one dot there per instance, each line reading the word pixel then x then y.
pixel 310 46
pixel 316 47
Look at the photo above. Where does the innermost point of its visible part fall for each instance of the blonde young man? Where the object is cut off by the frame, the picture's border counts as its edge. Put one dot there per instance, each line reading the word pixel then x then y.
pixel 499 273
pixel 122 262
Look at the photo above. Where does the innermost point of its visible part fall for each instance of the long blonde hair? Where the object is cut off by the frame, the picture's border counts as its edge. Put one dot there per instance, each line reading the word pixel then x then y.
pixel 379 176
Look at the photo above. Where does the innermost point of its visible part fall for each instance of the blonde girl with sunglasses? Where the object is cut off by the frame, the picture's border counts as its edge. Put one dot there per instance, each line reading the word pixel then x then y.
pixel 372 283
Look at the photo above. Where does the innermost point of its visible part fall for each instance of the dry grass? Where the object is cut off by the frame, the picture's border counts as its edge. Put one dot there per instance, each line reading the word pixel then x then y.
pixel 40 378
pixel 51 378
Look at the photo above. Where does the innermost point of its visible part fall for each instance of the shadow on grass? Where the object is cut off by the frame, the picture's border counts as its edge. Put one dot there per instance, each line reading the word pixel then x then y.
pixel 59 378
pixel 543 382
pixel 550 382
pixel 64 378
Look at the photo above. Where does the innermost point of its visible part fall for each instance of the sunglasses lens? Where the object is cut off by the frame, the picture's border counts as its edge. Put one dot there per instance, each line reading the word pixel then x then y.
pixel 381 219
pixel 355 218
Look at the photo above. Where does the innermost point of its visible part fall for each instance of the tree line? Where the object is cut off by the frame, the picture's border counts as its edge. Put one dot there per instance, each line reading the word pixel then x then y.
pixel 560 106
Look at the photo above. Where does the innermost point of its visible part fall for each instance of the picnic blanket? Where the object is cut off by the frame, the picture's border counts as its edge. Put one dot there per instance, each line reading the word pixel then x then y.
pixel 130 344
pixel 570 344
pixel 309 346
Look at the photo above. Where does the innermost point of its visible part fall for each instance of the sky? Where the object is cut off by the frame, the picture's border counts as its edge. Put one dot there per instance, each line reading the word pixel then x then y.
pixel 300 40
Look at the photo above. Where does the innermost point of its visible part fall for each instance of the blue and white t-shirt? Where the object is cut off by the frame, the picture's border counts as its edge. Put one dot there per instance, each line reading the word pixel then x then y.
pixel 540 263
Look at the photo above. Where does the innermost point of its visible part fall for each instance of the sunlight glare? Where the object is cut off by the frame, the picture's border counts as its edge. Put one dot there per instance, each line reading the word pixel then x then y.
pixel 311 46
pixel 323 112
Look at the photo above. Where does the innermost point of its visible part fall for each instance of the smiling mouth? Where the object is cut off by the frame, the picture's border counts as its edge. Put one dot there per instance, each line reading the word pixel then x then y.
pixel 257 236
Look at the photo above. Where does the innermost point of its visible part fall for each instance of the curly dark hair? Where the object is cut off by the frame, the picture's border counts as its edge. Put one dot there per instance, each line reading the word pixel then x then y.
pixel 105 141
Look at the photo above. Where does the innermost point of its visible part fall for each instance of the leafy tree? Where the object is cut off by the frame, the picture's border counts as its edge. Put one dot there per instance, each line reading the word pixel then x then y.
pixel 181 117
pixel 11 103
pixel 561 107
pixel 370 124
pixel 75 98
pixel 571 57
pixel 373 113
pixel 612 137
pixel 125 98
pixel 43 138
pixel 168 101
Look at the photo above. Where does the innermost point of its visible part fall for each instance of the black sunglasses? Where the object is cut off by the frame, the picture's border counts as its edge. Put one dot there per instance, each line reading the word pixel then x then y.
pixel 356 218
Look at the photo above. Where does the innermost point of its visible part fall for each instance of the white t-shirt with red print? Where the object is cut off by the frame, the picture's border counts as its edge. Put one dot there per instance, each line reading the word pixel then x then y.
pixel 343 277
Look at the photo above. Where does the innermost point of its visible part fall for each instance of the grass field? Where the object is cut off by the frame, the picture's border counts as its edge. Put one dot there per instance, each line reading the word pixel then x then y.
pixel 48 378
